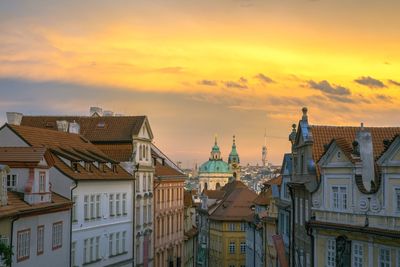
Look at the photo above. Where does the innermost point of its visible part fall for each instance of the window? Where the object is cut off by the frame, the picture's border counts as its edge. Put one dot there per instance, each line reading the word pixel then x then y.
pixel 232 247
pixel 339 195
pixel 231 227
pixel 398 258
pixel 124 241
pixel 306 210
pixel 301 211
pixel 42 182
pixel 384 257
pixel 149 182
pixel 308 261
pixel 92 204
pixel 357 255
pixel 57 235
pixel 73 256
pixel 98 205
pixel 74 208
pixel 296 203
pixel 111 205
pixel 397 199
pixel 86 207
pixel 97 247
pixel 137 215
pixel 144 211
pixel 331 253
pixel 124 208
pixel 117 204
pixel 149 212
pixel 243 247
pixel 117 243
pixel 144 182
pixel 86 256
pixel 12 181
pixel 110 244
pixel 40 239
pixel 242 226
pixel 23 244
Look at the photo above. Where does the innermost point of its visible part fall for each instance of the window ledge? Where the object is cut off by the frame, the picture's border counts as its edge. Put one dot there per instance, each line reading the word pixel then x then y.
pixel 119 254
pixel 91 262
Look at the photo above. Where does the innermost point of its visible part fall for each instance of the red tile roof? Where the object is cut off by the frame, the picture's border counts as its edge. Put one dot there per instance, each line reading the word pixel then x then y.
pixel 74 147
pixel 17 206
pixel 263 198
pixel 23 156
pixel 96 129
pixel 165 170
pixel 120 152
pixel 236 205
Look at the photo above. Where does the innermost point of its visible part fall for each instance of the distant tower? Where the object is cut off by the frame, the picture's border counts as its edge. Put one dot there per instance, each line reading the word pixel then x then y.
pixel 264 150
pixel 234 161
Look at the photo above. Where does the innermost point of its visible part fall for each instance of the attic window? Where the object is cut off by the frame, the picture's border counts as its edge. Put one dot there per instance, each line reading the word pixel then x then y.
pixel 74 166
pixel 101 124
pixel 338 154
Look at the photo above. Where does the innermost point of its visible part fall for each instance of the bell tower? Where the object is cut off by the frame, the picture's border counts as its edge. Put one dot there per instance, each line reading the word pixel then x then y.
pixel 234 161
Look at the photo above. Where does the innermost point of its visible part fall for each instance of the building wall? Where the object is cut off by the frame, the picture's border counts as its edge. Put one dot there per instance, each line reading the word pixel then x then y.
pixel 50 257
pixel 212 179
pixel 169 222
pixel 221 236
pixel 105 225
pixel 9 139
pixel 190 242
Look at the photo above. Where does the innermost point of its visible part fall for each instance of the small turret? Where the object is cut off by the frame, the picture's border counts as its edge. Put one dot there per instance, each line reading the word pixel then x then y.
pixel 215 152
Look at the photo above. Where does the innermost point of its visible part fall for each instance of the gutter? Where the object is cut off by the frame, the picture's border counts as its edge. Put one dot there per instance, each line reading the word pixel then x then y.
pixel 70 223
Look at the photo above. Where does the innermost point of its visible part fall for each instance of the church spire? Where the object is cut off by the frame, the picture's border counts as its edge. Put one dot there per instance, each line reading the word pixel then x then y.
pixel 234 156
pixel 215 152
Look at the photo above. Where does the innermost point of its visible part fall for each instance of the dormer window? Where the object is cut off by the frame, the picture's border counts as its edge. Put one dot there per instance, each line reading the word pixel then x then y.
pixel 338 155
pixel 101 124
pixel 11 182
pixel 42 182
pixel 88 166
pixel 114 167
pixel 74 166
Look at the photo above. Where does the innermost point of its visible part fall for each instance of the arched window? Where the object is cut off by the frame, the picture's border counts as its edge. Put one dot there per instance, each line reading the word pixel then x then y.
pixel 217 186
pixel 140 152
pixel 205 186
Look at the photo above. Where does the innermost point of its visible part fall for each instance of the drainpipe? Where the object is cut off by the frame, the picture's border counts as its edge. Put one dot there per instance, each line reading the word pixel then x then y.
pixel 12 234
pixel 310 234
pixel 135 169
pixel 254 245
pixel 70 223
pixel 293 213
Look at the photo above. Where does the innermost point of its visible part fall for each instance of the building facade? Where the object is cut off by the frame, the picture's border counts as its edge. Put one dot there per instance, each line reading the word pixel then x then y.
pixel 34 221
pixel 101 191
pixel 168 213
pixel 127 140
pixel 190 230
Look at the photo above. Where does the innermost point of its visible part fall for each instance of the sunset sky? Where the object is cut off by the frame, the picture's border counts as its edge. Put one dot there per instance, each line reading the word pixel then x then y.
pixel 200 68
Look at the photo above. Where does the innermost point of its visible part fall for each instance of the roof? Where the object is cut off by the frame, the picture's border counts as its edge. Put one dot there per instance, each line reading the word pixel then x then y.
pixel 274 181
pixel 187 198
pixel 17 206
pixel 73 147
pixel 214 166
pixel 17 156
pixel 120 152
pixel 214 194
pixel 165 170
pixel 236 205
pixel 96 129
pixel 263 198
pixel 345 135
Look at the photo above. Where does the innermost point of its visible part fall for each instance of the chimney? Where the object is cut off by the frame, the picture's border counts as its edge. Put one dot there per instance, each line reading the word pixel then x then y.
pixel 108 113
pixel 14 118
pixel 305 117
pixel 365 148
pixel 62 126
pixel 96 111
pixel 74 127
pixel 3 184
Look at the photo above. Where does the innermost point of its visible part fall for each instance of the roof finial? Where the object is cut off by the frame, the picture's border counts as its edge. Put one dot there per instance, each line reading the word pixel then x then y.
pixel 362 126
pixel 215 136
pixel 234 140
pixel 304 118
pixel 265 137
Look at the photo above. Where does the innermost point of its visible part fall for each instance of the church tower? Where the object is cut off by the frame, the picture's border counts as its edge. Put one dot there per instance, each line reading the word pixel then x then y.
pixel 234 161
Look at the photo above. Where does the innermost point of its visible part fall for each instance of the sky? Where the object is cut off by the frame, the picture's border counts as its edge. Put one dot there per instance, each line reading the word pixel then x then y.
pixel 203 68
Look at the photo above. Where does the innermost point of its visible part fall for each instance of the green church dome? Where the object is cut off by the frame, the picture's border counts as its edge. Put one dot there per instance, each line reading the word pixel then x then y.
pixel 214 166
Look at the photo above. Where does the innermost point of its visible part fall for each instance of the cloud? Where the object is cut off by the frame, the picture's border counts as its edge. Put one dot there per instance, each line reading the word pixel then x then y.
pixel 326 88
pixel 208 82
pixel 170 70
pixel 384 98
pixel 370 82
pixel 243 80
pixel 394 82
pixel 232 84
pixel 264 78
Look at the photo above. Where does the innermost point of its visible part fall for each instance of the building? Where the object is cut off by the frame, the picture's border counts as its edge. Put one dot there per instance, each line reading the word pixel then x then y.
pixel 190 230
pixel 101 191
pixel 34 221
pixel 127 140
pixel 215 173
pixel 356 206
pixel 168 212
pixel 284 205
pixel 262 230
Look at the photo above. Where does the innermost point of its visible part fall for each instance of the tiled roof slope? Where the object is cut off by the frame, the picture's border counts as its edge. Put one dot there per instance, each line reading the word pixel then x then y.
pixel 22 154
pixel 214 194
pixel 165 170
pixel 345 134
pixel 96 129
pixel 263 198
pixel 236 205
pixel 120 152
pixel 73 146
pixel 17 206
